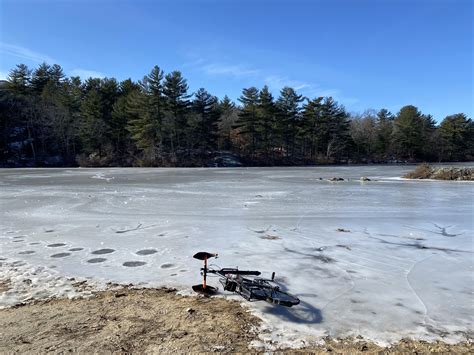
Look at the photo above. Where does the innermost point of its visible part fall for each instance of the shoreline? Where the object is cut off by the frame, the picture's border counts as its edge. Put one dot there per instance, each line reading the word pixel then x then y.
pixel 128 319
pixel 456 163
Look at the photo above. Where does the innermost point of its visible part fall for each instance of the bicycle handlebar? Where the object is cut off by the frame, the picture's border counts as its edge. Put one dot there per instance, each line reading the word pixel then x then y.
pixel 226 271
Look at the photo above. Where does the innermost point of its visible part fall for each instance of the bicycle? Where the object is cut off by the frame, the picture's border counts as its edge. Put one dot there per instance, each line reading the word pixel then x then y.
pixel 251 289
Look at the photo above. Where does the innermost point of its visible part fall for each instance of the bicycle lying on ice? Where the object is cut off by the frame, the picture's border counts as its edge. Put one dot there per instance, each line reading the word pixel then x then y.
pixel 233 280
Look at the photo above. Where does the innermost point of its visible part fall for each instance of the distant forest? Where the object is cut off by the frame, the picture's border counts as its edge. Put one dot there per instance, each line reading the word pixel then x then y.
pixel 48 119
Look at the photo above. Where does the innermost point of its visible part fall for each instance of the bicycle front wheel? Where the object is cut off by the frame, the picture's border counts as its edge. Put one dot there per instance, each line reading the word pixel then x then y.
pixel 282 298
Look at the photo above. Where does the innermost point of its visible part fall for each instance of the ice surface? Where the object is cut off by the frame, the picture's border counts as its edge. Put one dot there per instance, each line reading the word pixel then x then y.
pixel 384 259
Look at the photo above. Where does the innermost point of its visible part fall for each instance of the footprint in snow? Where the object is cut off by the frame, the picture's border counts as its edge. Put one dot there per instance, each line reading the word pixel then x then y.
pixel 146 252
pixel 133 263
pixel 103 251
pixel 60 255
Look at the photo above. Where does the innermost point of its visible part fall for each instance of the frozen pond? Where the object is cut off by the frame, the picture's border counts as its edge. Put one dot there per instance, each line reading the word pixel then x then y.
pixel 384 259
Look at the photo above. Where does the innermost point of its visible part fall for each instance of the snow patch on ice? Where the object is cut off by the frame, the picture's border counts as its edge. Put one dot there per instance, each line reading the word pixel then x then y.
pixel 26 283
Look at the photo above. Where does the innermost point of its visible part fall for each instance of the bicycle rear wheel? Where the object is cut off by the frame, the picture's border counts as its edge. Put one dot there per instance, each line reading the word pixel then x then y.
pixel 282 298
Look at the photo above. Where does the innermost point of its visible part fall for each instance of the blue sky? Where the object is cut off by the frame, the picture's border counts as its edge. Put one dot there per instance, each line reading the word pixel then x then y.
pixel 365 53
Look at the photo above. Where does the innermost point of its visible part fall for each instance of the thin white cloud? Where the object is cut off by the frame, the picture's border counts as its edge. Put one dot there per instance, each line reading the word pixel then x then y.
pixel 237 71
pixel 24 53
pixel 86 74
pixel 277 82
pixel 273 81
pixel 193 63
pixel 3 75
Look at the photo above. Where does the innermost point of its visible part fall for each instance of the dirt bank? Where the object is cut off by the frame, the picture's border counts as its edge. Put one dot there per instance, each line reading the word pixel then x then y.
pixel 154 321
pixel 426 171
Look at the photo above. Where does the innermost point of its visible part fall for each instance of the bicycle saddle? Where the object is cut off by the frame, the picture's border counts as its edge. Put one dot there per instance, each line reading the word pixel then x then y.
pixel 202 255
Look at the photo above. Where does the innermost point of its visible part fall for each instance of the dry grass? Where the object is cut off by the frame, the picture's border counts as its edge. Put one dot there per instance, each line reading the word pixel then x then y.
pixel 159 321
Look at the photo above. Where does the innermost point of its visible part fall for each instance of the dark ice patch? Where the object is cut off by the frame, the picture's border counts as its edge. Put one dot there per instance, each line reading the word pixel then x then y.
pixel 96 260
pixel 103 251
pixel 76 249
pixel 323 258
pixel 35 243
pixel 17 240
pixel 26 252
pixel 55 245
pixel 183 270
pixel 60 255
pixel 166 266
pixel 133 263
pixel 146 252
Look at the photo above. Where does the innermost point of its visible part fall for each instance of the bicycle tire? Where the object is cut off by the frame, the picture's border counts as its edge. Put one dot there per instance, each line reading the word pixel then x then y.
pixel 282 298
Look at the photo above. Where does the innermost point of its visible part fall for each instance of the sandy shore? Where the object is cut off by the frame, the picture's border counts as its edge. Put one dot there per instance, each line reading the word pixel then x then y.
pixel 154 321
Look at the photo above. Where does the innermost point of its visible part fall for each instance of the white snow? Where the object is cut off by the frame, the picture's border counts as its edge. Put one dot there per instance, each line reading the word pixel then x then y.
pixel 403 267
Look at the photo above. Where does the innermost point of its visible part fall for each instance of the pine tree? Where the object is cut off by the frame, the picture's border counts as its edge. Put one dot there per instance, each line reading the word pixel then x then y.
pixel 457 138
pixel 429 144
pixel 311 124
pixel 266 120
pixel 227 120
pixel 247 124
pixel 147 109
pixel 175 91
pixel 206 114
pixel 337 132
pixel 289 117
pixel 19 79
pixel 120 117
pixel 40 78
pixel 407 135
pixel 93 127
pixel 384 133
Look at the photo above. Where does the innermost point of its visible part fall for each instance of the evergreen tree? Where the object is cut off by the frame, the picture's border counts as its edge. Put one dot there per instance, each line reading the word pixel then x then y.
pixel 429 137
pixel 384 133
pixel 147 109
pixel 457 138
pixel 56 75
pixel 289 116
pixel 120 118
pixel 407 135
pixel 40 78
pixel 19 79
pixel 336 137
pixel 206 114
pixel 266 120
pixel 175 91
pixel 227 120
pixel 247 124
pixel 93 127
pixel 311 125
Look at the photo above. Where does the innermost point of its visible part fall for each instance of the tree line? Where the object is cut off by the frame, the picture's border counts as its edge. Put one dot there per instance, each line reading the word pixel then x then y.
pixel 47 118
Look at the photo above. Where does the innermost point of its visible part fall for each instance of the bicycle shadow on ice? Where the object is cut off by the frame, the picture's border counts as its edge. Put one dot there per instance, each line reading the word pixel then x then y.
pixel 303 313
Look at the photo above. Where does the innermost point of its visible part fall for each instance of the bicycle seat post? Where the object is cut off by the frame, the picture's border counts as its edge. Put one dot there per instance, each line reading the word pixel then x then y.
pixel 205 273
